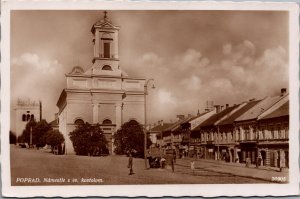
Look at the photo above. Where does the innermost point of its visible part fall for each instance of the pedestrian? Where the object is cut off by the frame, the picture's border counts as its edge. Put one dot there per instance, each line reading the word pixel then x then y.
pixel 130 164
pixel 193 166
pixel 163 162
pixel 172 162
pixel 174 155
pixel 259 159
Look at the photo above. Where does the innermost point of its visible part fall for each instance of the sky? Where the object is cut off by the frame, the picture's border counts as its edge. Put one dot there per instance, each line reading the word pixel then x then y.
pixel 194 56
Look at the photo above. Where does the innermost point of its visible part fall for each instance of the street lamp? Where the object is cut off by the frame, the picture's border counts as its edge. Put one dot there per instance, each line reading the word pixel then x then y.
pixel 145 112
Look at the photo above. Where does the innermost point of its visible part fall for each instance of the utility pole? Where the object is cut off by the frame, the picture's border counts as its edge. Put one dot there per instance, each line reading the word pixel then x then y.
pixel 145 116
pixel 30 142
pixel 218 153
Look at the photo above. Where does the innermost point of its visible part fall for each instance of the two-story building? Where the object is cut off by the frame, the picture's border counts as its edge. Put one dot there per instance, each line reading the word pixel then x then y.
pixel 273 134
pixel 247 127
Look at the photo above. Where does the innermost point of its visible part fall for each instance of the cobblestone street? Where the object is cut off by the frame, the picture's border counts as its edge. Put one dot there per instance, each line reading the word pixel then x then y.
pixel 40 164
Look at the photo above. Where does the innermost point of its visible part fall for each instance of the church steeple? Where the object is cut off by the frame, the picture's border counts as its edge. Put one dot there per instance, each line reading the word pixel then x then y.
pixel 105 39
pixel 106 47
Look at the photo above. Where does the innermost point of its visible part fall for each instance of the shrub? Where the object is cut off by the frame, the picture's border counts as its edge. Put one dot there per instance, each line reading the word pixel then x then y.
pixel 88 139
pixel 54 138
pixel 130 137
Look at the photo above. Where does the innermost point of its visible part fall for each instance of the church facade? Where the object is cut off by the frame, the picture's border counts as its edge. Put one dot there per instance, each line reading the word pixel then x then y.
pixel 102 94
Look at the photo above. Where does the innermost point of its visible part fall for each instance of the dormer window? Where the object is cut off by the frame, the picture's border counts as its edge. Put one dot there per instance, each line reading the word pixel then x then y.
pixel 106 67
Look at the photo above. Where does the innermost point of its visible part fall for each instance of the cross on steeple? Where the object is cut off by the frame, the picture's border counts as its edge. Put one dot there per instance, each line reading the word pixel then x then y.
pixel 105 14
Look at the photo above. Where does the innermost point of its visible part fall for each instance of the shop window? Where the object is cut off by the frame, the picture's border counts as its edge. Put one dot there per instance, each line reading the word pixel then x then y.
pixel 272 136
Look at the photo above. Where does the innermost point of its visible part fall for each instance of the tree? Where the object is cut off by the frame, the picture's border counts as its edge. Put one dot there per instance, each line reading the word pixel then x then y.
pixel 88 139
pixel 39 133
pixel 12 138
pixel 130 137
pixel 27 131
pixel 54 138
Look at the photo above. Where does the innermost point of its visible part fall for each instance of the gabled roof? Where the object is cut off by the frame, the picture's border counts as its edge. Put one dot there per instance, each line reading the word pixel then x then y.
pixel 200 119
pixel 54 122
pixel 216 117
pixel 104 23
pixel 281 111
pixel 160 128
pixel 259 108
pixel 281 108
pixel 175 126
pixel 238 112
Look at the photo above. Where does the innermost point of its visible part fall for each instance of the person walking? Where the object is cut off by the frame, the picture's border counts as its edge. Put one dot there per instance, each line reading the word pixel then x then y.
pixel 259 159
pixel 193 166
pixel 130 164
pixel 172 162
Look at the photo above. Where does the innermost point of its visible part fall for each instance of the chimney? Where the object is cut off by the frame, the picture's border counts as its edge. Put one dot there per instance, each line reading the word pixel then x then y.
pixel 198 113
pixel 283 91
pixel 161 122
pixel 227 105
pixel 158 123
pixel 222 108
pixel 217 108
pixel 180 117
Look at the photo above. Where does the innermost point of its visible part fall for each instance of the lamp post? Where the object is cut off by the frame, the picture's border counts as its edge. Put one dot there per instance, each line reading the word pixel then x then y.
pixel 145 116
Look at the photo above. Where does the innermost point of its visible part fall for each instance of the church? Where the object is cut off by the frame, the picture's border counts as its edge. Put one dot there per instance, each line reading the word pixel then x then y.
pixel 104 93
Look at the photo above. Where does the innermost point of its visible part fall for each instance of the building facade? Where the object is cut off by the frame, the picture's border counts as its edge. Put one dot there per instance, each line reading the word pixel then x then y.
pixel 26 110
pixel 102 94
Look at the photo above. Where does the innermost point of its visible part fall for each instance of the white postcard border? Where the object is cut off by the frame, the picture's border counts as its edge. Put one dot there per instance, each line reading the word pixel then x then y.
pixel 291 188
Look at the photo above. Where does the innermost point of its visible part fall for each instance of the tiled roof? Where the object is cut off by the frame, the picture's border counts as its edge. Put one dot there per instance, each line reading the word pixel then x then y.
pixel 160 127
pixel 177 124
pixel 54 122
pixel 279 112
pixel 259 108
pixel 214 118
pixel 195 123
pixel 230 119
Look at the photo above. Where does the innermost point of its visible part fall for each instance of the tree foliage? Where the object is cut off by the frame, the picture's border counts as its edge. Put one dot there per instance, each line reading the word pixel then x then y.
pixel 12 138
pixel 130 137
pixel 25 137
pixel 88 139
pixel 39 131
pixel 54 138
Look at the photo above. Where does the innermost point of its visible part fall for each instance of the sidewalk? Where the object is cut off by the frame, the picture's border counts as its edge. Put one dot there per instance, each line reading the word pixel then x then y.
pixel 238 169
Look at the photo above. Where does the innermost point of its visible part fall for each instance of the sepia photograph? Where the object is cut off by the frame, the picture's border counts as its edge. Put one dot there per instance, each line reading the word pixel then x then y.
pixel 111 96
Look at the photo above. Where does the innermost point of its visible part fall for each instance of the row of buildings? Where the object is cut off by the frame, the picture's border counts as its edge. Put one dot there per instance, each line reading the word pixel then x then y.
pixel 239 133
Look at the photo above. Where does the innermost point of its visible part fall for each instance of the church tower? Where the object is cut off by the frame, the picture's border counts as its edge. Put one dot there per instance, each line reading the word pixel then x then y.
pixel 106 48
pixel 103 94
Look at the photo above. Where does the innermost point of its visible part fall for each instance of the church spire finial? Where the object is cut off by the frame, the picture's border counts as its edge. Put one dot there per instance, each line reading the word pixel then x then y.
pixel 105 14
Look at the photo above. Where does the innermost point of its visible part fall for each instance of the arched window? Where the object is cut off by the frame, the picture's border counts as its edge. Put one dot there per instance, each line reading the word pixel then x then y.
pixel 28 117
pixel 79 122
pixel 32 117
pixel 107 121
pixel 106 67
pixel 23 117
